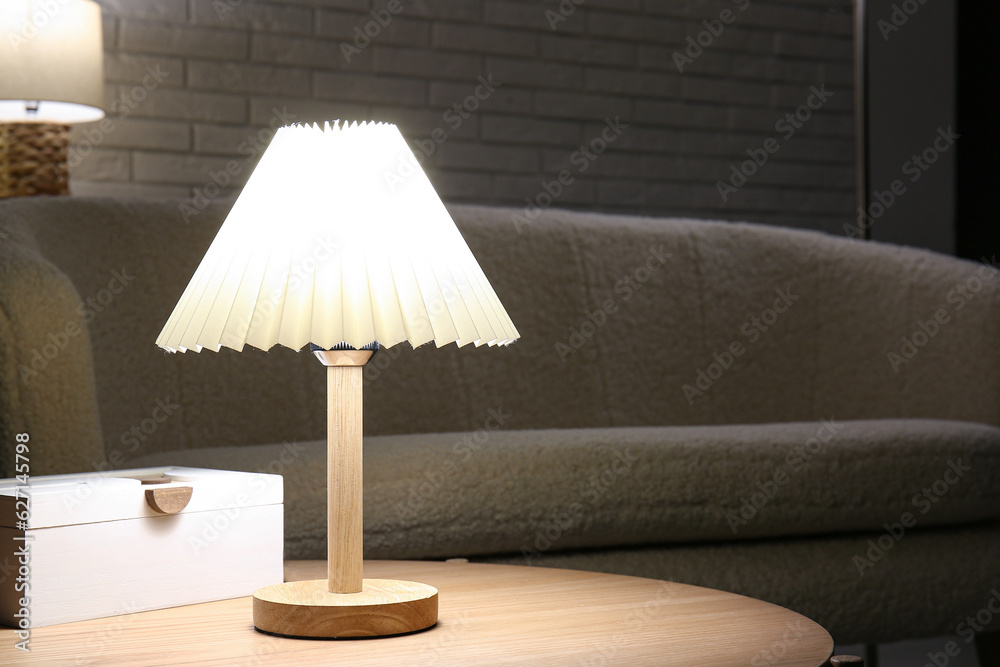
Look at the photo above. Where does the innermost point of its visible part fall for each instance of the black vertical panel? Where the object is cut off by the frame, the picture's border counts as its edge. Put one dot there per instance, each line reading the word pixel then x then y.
pixel 911 100
pixel 978 121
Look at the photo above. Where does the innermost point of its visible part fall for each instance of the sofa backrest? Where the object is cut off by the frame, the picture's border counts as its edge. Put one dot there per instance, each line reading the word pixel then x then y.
pixel 624 321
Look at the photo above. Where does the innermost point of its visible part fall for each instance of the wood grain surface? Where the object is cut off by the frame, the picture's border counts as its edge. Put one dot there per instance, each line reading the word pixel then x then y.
pixel 345 528
pixel 489 615
pixel 170 500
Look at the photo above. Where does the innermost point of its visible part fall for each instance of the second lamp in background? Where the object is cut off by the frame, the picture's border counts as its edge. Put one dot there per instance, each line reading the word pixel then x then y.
pixel 51 75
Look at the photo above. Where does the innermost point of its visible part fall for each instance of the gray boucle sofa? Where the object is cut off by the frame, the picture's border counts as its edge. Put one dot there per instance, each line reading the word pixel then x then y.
pixel 744 407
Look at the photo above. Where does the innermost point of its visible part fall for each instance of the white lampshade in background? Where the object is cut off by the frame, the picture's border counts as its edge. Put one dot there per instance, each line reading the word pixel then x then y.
pixel 52 54
pixel 338 237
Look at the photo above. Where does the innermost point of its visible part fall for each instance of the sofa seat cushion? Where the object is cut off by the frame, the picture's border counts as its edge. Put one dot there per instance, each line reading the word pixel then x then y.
pixel 529 492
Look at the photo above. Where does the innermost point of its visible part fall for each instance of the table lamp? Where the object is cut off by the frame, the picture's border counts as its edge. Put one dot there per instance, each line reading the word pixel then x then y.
pixel 51 75
pixel 329 247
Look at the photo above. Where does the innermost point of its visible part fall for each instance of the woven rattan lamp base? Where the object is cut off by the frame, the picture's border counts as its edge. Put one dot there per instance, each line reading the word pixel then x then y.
pixel 33 159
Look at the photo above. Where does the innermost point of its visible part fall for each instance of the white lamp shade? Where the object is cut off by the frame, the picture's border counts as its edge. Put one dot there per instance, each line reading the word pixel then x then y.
pixel 52 56
pixel 338 237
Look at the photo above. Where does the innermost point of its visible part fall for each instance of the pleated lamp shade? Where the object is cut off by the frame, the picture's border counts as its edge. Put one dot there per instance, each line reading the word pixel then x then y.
pixel 337 239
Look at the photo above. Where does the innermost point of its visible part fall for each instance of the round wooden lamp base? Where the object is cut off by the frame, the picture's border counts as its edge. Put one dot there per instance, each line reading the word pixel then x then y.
pixel 308 609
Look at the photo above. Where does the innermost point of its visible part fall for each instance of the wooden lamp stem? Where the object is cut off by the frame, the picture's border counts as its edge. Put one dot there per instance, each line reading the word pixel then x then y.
pixel 344 604
pixel 345 530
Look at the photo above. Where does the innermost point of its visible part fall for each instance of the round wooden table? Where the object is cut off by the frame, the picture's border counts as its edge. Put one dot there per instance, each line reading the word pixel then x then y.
pixel 489 615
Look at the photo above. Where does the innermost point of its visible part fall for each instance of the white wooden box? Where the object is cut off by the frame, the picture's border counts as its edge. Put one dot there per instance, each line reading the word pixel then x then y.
pixel 98 547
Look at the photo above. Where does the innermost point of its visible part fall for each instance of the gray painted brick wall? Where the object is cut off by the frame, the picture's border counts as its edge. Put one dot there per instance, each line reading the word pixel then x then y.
pixel 193 86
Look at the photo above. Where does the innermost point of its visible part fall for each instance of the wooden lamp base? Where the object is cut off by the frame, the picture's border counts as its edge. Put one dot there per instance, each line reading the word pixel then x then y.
pixel 308 609
pixel 344 604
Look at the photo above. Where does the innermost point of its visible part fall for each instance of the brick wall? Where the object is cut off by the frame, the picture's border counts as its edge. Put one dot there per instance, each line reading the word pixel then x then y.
pixel 498 95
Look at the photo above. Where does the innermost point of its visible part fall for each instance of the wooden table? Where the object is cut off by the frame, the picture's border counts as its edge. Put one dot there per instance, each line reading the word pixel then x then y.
pixel 489 615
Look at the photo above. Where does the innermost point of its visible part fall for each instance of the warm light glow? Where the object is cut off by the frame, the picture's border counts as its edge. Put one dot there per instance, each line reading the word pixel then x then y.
pixel 329 243
pixel 52 58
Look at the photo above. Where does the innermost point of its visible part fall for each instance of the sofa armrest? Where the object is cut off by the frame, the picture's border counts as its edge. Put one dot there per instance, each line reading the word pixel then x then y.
pixel 47 386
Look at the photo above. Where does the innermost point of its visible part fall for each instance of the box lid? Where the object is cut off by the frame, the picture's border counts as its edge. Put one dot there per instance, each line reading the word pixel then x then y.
pixel 65 500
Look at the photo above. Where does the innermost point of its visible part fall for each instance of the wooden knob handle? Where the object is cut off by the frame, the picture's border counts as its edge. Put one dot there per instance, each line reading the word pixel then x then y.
pixel 842 660
pixel 170 500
